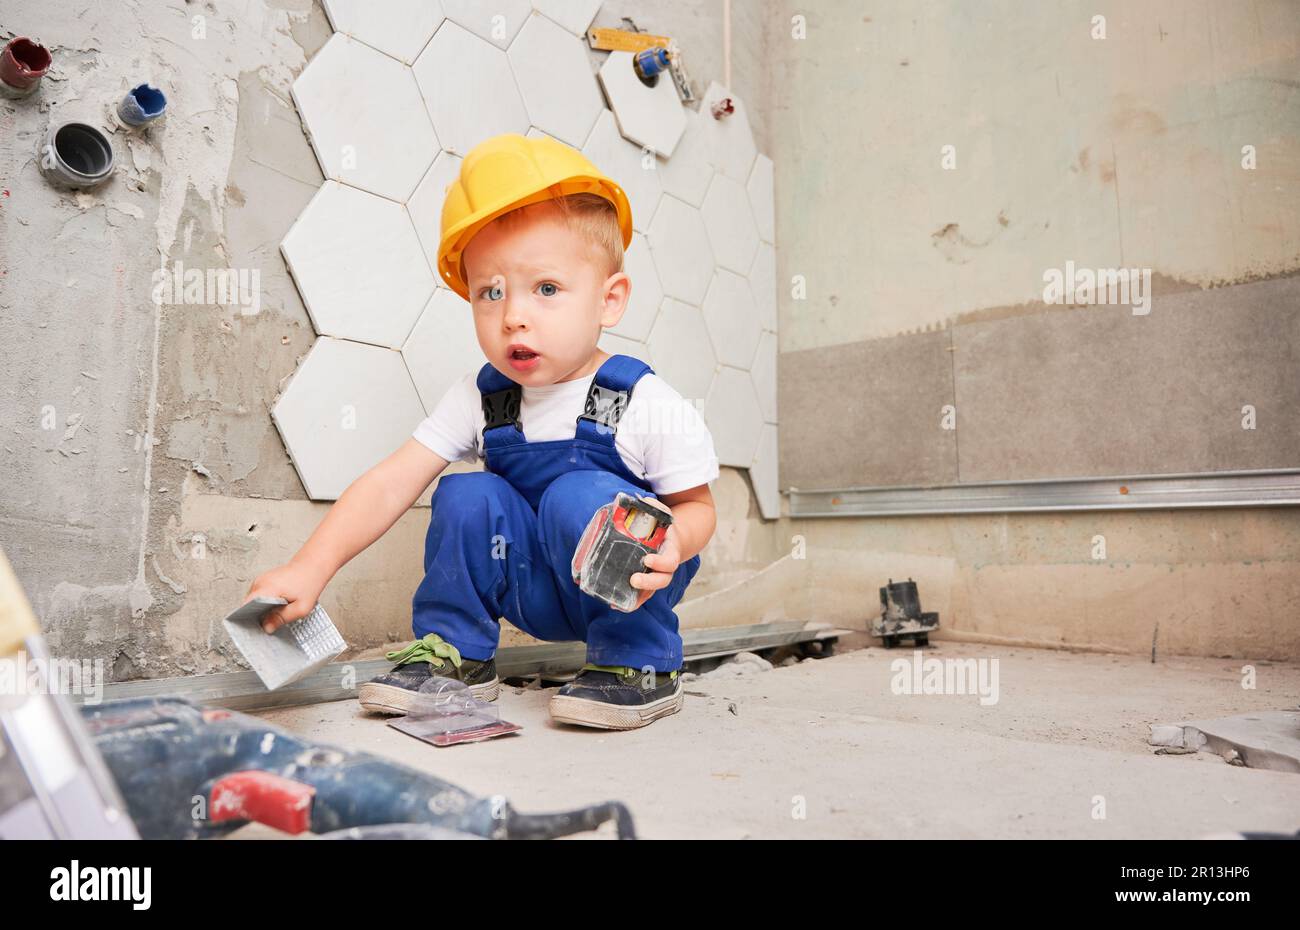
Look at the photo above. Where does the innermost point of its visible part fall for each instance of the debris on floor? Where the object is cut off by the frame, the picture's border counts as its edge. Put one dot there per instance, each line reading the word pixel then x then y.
pixel 739 665
pixel 830 728
pixel 1261 740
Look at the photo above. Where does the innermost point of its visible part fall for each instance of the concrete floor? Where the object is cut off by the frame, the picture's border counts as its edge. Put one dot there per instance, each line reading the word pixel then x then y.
pixel 830 737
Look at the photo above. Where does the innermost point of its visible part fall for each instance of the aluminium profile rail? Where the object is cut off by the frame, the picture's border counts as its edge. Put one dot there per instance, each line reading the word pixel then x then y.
pixel 1268 488
pixel 244 690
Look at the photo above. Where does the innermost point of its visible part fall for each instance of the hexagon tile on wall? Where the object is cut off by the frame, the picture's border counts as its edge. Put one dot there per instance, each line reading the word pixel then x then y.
pixel 347 407
pixel 359 267
pixel 399 28
pixel 554 76
pixel 468 89
pixel 650 117
pixel 350 97
pixel 392 101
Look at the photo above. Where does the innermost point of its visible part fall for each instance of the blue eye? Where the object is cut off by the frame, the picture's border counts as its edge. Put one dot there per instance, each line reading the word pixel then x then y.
pixel 553 289
pixel 495 292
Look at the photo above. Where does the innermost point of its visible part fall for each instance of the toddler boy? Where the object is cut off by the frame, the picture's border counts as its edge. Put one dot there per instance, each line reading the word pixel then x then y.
pixel 533 237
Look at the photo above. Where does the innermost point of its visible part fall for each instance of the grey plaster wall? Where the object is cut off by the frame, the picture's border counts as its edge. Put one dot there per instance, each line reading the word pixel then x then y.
pixel 1110 135
pixel 142 483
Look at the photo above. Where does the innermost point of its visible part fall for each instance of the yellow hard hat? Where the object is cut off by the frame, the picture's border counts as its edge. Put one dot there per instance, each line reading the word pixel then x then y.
pixel 507 172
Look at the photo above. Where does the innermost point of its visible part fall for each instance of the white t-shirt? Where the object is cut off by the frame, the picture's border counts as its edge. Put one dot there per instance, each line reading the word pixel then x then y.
pixel 661 437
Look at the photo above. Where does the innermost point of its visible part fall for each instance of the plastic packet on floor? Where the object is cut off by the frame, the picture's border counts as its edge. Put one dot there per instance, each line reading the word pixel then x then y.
pixel 445 712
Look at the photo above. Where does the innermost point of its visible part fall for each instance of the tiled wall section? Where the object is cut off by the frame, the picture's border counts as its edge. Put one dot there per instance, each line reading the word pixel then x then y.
pixel 1054 393
pixel 856 415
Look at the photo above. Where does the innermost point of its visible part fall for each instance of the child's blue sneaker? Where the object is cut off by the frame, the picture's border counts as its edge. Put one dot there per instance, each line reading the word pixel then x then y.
pixel 394 691
pixel 617 698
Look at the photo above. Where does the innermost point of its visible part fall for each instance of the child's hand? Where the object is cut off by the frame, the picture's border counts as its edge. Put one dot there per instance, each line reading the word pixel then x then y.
pixel 664 562
pixel 297 584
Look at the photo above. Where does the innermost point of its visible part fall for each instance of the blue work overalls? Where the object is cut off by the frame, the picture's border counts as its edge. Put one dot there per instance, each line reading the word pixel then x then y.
pixel 501 541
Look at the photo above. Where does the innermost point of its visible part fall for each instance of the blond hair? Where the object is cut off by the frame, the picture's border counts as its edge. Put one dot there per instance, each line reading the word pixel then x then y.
pixel 593 218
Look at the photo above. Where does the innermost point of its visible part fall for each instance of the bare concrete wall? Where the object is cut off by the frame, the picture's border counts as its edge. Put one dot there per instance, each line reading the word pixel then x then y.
pixel 144 485
pixel 920 289
pixel 1122 151
pixel 1017 137
pixel 121 407
pixel 1208 583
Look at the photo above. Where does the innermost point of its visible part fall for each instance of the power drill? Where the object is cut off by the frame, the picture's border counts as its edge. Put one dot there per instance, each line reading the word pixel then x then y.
pixel 617 538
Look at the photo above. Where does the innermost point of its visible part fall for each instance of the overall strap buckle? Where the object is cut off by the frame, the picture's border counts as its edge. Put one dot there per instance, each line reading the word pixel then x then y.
pixel 501 408
pixel 604 407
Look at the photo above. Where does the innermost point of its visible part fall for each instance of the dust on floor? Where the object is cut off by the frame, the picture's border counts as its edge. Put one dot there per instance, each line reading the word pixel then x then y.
pixel 827 748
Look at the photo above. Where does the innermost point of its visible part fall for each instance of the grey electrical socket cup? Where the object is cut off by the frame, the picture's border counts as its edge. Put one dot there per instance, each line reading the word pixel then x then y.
pixel 75 154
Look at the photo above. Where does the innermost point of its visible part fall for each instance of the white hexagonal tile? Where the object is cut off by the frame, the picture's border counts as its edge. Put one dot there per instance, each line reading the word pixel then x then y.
pixel 442 347
pixel 632 169
pixel 683 355
pixel 762 198
pixel 396 27
pixel 554 76
pixel 733 417
pixel 365 118
pixel 763 474
pixel 687 174
pixel 498 21
pixel 652 117
pixel 468 88
pixel 425 205
pixel 763 374
pixel 346 408
pixel 359 267
pixel 617 345
pixel 647 295
pixel 681 250
pixel 729 141
pixel 762 283
pixel 730 223
pixel 732 319
pixel 573 15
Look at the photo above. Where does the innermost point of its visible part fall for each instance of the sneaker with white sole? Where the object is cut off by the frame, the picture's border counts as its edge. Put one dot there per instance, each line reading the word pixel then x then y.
pixel 617 698
pixel 395 691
